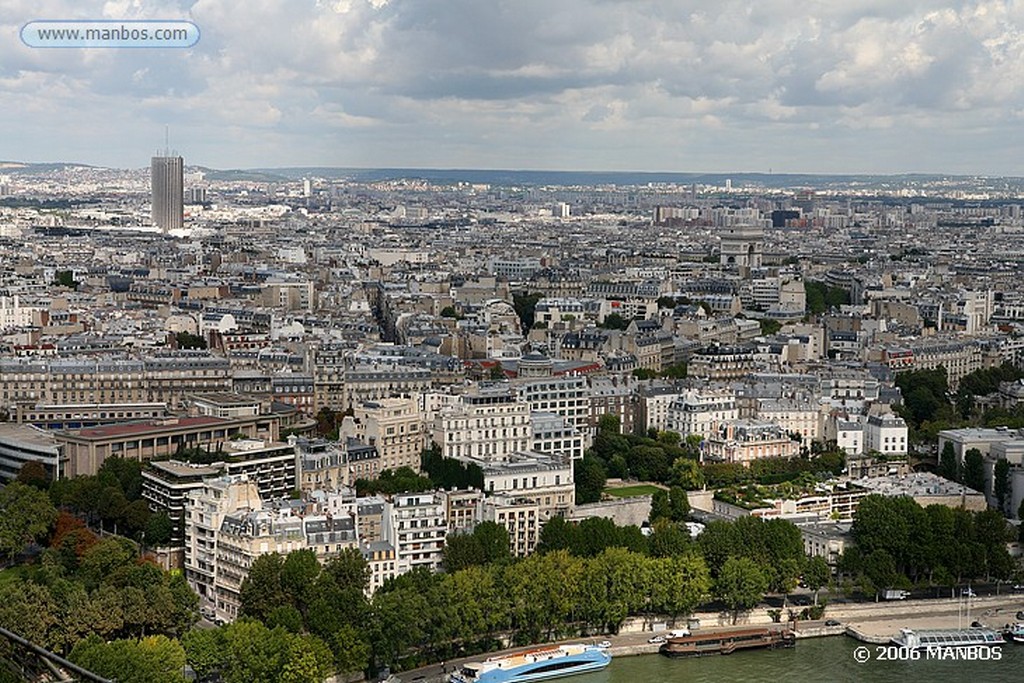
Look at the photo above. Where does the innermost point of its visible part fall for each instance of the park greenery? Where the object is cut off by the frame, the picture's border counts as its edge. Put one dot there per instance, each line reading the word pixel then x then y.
pixel 439 473
pixel 675 371
pixel 664 458
pixel 822 297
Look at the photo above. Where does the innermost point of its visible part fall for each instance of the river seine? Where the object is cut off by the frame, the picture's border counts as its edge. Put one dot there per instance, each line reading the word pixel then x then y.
pixel 817 659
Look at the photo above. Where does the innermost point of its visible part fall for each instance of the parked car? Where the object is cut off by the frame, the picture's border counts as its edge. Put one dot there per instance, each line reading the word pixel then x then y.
pixel 1020 616
pixel 656 640
pixel 832 622
pixel 977 624
pixel 605 644
pixel 968 593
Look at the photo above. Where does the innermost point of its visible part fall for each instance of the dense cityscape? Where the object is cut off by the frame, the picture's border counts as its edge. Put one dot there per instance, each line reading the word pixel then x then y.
pixel 289 424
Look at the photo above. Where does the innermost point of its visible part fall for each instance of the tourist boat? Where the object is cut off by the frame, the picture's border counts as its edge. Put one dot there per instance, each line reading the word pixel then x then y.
pixel 540 664
pixel 1015 632
pixel 922 640
pixel 727 642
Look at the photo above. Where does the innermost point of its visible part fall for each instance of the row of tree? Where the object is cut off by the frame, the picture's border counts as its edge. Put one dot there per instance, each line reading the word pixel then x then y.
pixel 425 616
pixel 900 543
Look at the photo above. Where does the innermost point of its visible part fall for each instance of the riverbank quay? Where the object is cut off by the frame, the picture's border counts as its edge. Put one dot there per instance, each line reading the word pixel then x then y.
pixel 875 622
pixel 993 612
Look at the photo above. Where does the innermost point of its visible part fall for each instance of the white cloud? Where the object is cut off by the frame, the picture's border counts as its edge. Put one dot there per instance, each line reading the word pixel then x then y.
pixel 568 84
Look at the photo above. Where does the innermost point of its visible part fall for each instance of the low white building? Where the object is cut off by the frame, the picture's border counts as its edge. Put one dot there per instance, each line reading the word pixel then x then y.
pixel 886 433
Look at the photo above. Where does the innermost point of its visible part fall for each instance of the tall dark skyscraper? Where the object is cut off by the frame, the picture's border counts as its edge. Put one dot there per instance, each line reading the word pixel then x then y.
pixel 167 180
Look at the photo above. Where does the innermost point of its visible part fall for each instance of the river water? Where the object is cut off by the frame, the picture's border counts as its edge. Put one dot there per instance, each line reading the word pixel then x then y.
pixel 812 660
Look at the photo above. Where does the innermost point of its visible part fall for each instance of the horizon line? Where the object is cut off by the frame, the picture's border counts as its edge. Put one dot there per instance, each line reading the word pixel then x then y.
pixel 10 163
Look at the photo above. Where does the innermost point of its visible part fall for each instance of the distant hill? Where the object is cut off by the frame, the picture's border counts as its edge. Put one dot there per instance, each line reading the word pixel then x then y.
pixel 502 177
pixel 15 167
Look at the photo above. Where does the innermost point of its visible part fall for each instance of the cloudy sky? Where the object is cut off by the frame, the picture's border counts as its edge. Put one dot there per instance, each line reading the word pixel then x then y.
pixel 830 86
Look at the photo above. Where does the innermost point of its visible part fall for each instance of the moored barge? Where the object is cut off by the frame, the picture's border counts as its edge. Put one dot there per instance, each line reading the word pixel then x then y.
pixel 727 642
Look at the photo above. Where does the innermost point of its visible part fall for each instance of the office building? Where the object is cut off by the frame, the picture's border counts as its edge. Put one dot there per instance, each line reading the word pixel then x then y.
pixel 167 182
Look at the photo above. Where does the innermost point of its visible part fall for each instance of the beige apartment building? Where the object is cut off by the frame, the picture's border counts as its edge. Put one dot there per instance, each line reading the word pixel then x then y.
pixel 395 427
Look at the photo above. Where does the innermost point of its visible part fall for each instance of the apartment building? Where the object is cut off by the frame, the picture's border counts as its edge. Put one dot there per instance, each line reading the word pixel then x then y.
pixel 486 424
pixel 547 480
pixel 395 427
pixel 166 484
pixel 162 378
pixel 700 412
pixel 416 525
pixel 521 518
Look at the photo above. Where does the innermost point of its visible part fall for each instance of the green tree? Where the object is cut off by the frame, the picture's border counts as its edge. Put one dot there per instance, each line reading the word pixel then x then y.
pixel 29 610
pixel 261 590
pixel 816 574
pixel 158 529
pixel 558 534
pixel 298 573
pixel 614 321
pixel 66 278
pixel 590 480
pixel 974 470
pixel 155 659
pixel 525 307
pixel 461 550
pixel 948 465
pixel 205 651
pixel 669 539
pixel 679 504
pixel 350 648
pixel 187 340
pixel 660 508
pixel 349 569
pixel 686 473
pixel 26 515
pixel 880 570
pixel 679 584
pixel 34 474
pixel 741 585
pixel 1001 482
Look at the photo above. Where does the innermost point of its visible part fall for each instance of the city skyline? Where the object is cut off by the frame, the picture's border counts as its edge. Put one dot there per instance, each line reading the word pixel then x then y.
pixel 929 87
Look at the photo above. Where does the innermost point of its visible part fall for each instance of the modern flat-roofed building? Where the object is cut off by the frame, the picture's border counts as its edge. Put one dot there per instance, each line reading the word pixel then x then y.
pixel 166 483
pixel 464 509
pixel 79 415
pixel 555 435
pixel 227 405
pixel 416 524
pixel 86 449
pixel 21 443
